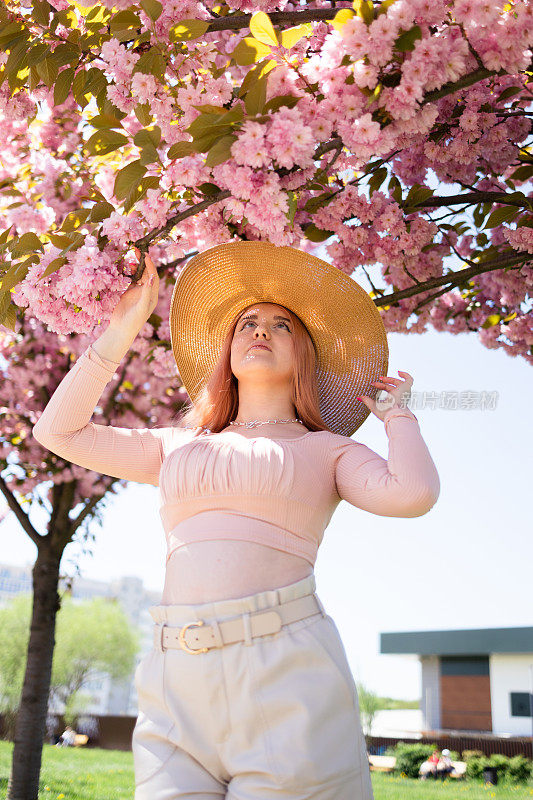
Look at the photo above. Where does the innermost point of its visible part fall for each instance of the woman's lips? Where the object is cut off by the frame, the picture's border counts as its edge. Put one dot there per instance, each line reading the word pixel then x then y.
pixel 262 346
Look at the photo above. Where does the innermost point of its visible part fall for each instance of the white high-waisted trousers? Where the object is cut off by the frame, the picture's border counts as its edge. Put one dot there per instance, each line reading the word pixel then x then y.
pixel 275 718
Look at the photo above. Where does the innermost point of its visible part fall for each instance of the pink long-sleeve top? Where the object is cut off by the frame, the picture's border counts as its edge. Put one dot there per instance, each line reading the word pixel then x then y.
pixel 277 492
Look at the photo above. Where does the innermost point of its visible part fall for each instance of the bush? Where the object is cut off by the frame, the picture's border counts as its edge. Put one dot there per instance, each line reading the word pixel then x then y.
pixel 501 763
pixel 467 754
pixel 409 757
pixel 475 766
pixel 519 769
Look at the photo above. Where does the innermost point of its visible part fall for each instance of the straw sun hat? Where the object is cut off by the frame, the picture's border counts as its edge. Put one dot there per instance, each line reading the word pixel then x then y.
pixel 341 318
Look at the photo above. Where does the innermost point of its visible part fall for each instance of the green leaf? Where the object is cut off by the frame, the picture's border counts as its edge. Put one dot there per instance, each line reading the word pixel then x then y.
pixel 503 214
pixel 417 194
pixel 27 243
pixel 221 151
pixel 151 63
pixel 254 74
pixel 262 29
pixel 395 188
pixel 187 29
pixel 275 103
pixel 8 313
pixel 74 219
pixel 153 8
pixel 127 178
pixel 314 203
pixel 41 12
pixel 290 36
pixel 138 192
pixel 101 211
pixel 105 141
pixel 249 50
pixel 63 85
pixel 180 149
pixel 523 173
pixel 142 112
pixel 209 189
pixel 293 205
pixel 47 71
pixel 509 92
pixel 14 275
pixel 406 41
pixel 256 98
pixel 148 140
pixel 315 234
pixel 105 121
pixel 378 176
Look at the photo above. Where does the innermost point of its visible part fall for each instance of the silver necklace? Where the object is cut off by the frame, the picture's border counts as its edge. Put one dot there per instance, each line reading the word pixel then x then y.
pixel 255 422
pixel 252 424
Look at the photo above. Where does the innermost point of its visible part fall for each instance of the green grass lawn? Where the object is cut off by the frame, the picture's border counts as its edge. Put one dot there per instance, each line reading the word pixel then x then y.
pixel 86 774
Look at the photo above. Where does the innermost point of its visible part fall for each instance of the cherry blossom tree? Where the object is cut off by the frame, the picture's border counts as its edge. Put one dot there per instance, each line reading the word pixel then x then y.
pixel 34 361
pixel 392 138
pixel 395 133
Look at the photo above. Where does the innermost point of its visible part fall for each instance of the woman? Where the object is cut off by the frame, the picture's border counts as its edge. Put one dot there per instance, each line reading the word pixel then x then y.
pixel 247 692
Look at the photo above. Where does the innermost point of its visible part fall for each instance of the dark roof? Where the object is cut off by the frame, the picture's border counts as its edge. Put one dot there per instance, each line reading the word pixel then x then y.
pixel 480 641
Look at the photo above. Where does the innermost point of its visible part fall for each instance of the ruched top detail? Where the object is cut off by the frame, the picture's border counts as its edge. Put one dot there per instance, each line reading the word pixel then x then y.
pixel 280 492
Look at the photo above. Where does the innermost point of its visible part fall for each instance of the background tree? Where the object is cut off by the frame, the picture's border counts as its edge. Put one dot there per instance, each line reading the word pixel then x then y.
pixel 92 637
pixel 369 704
pixel 394 135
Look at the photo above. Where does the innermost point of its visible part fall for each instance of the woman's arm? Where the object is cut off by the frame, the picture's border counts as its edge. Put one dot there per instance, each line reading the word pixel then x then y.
pixel 64 427
pixel 405 485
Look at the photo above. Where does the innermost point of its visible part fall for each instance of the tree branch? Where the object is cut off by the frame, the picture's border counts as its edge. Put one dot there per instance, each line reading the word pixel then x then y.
pixel 457 277
pixel 22 517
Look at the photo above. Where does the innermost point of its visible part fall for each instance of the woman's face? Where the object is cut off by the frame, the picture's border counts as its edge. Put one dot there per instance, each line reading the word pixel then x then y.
pixel 268 325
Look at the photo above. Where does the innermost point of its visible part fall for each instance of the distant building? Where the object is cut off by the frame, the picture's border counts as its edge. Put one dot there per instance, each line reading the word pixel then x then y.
pixel 109 696
pixel 476 680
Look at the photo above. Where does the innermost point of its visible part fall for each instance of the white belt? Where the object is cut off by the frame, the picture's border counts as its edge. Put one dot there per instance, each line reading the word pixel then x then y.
pixel 197 637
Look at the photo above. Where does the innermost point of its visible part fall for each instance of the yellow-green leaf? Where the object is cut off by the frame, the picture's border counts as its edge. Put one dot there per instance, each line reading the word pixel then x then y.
pixel 180 149
pixel 41 12
pixel 262 29
pixel 249 50
pixel 221 151
pixel 315 234
pixel 153 8
pixel 255 73
pixel 277 102
pixel 341 18
pixel 74 219
pixel 364 9
pixel 47 71
pixel 290 36
pixel 187 29
pixel 256 98
pixel 142 112
pixel 101 211
pixel 26 243
pixel 62 85
pixel 105 141
pixel 127 178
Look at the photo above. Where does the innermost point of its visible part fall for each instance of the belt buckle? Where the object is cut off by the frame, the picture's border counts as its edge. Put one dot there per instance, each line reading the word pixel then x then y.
pixel 184 644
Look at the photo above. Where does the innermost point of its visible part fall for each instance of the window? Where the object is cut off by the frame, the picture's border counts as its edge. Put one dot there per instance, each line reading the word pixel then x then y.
pixel 521 704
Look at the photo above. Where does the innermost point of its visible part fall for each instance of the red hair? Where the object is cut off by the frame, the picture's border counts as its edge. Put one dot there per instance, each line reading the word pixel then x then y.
pixel 218 402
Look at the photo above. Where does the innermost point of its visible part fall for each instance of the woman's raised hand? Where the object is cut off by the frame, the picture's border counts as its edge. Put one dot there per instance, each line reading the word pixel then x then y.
pixel 138 301
pixel 399 394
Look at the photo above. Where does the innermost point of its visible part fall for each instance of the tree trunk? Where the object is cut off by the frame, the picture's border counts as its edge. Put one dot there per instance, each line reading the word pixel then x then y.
pixel 31 718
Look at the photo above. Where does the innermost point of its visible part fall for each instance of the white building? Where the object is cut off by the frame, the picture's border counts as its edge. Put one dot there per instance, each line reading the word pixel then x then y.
pixel 108 696
pixel 478 680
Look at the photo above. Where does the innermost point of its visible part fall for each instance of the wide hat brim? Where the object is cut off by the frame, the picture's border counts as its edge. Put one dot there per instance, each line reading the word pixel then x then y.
pixel 343 321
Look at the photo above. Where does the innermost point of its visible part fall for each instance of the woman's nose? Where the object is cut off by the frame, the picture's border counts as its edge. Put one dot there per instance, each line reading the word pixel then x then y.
pixel 259 331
